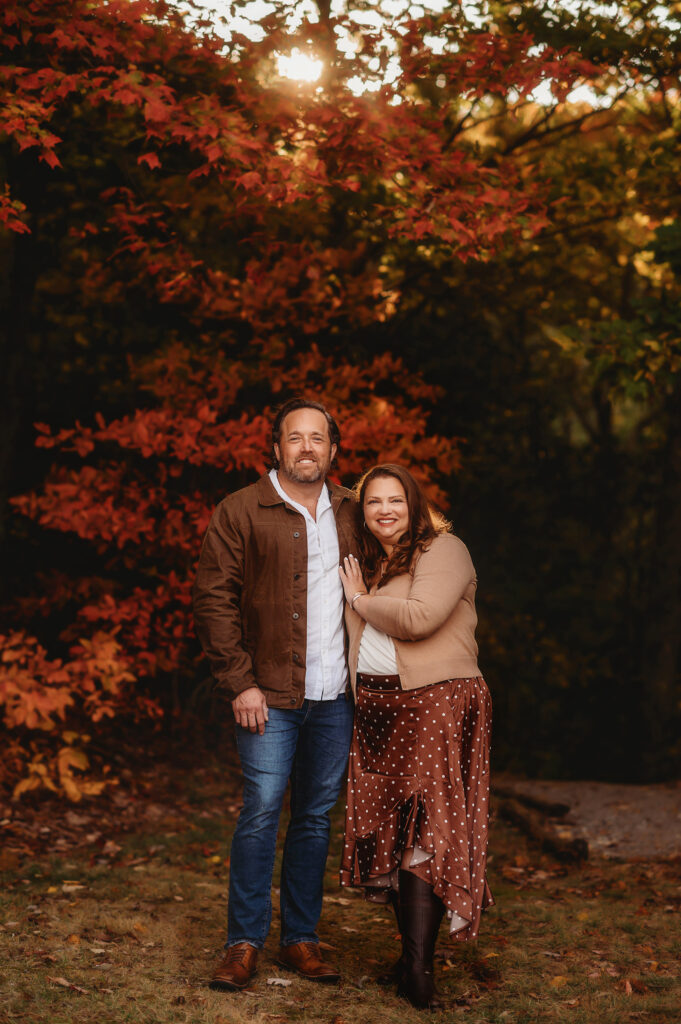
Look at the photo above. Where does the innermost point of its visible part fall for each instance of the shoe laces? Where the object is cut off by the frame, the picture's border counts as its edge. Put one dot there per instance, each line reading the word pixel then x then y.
pixel 238 954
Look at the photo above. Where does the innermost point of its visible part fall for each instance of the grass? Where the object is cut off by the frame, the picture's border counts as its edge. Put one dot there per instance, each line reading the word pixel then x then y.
pixel 132 935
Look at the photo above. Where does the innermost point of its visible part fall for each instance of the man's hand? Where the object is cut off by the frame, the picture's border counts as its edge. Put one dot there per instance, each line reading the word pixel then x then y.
pixel 250 709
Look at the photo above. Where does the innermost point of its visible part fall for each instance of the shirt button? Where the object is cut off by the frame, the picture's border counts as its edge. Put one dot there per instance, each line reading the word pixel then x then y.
pixel 296 533
pixel 296 615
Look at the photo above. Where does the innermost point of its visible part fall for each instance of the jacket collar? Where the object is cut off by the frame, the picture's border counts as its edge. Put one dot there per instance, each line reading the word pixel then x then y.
pixel 267 495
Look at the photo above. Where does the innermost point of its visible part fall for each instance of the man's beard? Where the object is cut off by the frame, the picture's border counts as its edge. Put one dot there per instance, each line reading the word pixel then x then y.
pixel 308 474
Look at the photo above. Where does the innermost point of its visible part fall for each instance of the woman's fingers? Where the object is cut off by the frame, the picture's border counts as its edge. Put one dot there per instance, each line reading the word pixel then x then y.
pixel 351 576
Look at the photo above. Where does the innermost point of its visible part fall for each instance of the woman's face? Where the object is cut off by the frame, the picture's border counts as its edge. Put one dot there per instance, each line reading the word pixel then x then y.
pixel 385 510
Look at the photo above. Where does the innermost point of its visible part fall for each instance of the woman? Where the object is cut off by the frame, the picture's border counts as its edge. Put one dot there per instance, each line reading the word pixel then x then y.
pixel 416 820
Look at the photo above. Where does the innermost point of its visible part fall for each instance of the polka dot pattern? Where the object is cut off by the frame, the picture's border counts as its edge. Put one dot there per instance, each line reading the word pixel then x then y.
pixel 419 777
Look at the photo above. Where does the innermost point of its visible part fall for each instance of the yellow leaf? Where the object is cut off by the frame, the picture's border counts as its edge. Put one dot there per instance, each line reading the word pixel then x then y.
pixel 558 982
pixel 71 789
pixel 94 788
pixel 27 784
pixel 72 757
pixel 583 915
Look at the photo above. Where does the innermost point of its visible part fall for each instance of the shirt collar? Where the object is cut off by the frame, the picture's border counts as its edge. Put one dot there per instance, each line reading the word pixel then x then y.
pixel 323 502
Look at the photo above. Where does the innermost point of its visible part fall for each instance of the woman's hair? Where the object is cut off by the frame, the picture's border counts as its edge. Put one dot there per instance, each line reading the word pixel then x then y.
pixel 424 524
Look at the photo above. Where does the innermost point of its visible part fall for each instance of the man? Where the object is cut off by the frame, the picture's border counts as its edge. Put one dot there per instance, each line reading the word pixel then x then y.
pixel 268 606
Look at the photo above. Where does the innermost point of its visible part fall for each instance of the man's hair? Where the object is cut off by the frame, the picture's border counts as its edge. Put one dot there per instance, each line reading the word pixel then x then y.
pixel 292 406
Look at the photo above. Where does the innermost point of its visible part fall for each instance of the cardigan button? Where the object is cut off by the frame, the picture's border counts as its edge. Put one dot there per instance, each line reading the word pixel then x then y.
pixel 296 615
pixel 296 533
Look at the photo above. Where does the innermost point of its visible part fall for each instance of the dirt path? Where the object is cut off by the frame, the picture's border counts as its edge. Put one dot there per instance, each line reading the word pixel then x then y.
pixel 618 822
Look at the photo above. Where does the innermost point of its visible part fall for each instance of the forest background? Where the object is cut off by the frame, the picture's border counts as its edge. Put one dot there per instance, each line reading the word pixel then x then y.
pixel 463 236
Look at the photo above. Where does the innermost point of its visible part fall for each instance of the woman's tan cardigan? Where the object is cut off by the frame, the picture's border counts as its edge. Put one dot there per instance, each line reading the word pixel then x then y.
pixel 430 614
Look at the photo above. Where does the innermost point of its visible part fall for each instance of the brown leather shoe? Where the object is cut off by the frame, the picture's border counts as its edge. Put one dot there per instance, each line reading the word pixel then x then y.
pixel 236 969
pixel 305 959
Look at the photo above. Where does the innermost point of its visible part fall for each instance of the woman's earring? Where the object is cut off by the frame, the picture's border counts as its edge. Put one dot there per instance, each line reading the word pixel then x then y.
pixel 365 526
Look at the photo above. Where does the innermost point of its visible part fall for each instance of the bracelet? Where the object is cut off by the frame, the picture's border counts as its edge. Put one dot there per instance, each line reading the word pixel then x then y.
pixel 360 593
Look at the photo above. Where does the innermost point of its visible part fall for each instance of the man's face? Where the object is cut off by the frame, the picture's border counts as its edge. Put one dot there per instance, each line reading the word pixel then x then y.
pixel 305 452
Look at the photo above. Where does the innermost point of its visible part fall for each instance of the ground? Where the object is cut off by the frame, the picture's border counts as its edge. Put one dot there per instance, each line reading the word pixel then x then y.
pixel 115 912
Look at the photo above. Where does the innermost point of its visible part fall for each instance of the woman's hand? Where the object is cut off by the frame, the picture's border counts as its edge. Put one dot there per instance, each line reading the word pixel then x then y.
pixel 351 578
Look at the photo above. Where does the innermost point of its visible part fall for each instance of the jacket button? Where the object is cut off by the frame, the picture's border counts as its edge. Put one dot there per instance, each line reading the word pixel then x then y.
pixel 295 657
pixel 296 615
pixel 293 700
pixel 296 575
pixel 296 533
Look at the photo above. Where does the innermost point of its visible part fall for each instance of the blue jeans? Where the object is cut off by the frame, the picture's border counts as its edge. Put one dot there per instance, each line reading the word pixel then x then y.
pixel 308 745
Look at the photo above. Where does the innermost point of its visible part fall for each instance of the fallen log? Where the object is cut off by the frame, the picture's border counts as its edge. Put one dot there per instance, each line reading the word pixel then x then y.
pixel 537 828
pixel 552 809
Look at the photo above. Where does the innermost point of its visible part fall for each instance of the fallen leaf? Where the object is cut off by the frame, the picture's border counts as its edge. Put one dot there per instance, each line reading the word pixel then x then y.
pixel 558 981
pixel 68 984
pixel 284 982
pixel 74 940
pixel 627 988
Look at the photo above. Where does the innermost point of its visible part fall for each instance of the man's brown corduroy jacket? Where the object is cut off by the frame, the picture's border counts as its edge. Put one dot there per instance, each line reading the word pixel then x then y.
pixel 250 594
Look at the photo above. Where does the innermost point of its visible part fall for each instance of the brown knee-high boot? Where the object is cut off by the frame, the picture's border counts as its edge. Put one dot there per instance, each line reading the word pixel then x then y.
pixel 420 914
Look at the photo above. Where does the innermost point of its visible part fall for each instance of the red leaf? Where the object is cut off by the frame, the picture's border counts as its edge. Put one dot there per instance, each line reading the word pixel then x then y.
pixel 150 159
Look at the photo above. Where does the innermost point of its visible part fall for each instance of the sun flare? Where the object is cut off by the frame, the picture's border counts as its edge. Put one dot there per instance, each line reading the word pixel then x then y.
pixel 299 66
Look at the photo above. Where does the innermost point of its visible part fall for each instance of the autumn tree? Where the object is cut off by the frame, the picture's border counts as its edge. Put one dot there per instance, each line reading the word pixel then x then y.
pixel 231 234
pixel 190 238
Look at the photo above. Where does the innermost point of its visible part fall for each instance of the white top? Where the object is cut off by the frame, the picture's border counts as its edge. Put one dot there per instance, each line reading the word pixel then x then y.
pixel 326 672
pixel 376 653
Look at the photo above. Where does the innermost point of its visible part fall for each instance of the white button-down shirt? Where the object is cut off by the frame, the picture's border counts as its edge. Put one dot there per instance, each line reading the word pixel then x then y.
pixel 326 671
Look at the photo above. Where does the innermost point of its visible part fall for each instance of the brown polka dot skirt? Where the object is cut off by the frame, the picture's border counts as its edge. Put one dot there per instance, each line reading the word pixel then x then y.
pixel 419 776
